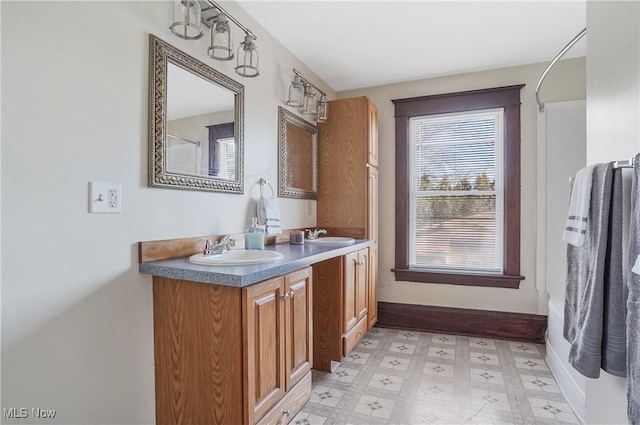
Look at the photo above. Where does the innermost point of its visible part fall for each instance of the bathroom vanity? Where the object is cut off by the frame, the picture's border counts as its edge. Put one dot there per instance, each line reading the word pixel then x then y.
pixel 235 344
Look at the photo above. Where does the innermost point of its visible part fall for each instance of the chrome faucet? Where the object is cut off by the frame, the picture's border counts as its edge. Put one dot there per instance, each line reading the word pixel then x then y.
pixel 221 247
pixel 313 234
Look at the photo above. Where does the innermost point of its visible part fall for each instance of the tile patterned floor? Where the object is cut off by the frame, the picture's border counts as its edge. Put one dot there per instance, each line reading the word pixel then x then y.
pixel 407 377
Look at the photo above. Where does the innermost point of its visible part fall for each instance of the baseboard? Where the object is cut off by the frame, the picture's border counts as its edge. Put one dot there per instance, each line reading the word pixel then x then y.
pixel 479 323
pixel 570 389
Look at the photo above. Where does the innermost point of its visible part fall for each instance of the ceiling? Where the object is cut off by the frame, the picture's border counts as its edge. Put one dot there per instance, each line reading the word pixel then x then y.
pixel 355 44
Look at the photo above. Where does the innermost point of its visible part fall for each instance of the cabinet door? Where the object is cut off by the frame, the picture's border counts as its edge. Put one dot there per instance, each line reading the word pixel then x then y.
pixel 351 311
pixel 362 272
pixel 373 134
pixel 372 287
pixel 355 288
pixel 299 326
pixel 264 357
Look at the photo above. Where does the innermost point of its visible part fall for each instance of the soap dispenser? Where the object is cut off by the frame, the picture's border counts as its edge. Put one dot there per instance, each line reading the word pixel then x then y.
pixel 254 237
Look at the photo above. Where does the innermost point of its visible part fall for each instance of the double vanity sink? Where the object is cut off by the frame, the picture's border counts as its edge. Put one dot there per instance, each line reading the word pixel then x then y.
pixel 242 268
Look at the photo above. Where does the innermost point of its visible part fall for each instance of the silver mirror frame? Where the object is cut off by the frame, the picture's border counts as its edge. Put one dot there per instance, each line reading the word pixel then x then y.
pixel 160 53
pixel 285 190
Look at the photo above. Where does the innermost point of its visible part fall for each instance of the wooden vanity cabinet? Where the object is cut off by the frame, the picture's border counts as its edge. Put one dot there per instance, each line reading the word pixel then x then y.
pixel 340 303
pixel 227 355
pixel 348 178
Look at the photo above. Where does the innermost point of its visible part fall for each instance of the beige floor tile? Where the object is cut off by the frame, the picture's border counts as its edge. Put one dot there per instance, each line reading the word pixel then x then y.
pixel 438 369
pixel 395 363
pixel 386 382
pixel 487 376
pixel 484 358
pixel 401 347
pixel 442 353
pixel 375 406
pixel 538 383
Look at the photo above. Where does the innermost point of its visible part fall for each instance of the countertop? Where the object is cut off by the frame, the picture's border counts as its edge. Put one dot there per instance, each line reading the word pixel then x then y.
pixel 295 257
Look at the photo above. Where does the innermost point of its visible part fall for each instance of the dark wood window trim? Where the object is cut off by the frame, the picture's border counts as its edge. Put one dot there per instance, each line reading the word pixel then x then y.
pixel 507 98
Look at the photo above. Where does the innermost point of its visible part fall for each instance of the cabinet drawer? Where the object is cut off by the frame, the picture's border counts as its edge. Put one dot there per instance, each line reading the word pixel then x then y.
pixel 351 338
pixel 290 405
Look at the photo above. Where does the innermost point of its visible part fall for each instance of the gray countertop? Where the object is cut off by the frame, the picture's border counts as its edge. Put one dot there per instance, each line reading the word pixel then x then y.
pixel 295 257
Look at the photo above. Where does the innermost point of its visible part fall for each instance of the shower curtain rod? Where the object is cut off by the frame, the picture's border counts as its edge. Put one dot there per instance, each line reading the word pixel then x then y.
pixel 552 63
pixel 181 139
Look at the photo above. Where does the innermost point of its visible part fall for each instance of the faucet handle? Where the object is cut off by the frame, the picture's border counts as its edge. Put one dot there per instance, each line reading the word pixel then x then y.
pixel 208 246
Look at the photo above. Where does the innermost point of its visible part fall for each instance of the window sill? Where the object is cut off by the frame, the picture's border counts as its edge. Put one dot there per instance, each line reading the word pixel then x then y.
pixel 491 281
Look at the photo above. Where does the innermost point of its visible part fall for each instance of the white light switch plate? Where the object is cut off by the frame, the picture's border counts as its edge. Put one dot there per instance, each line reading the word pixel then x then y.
pixel 105 198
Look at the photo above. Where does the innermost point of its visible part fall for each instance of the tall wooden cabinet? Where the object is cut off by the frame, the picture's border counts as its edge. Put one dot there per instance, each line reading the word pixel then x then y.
pixel 227 355
pixel 348 178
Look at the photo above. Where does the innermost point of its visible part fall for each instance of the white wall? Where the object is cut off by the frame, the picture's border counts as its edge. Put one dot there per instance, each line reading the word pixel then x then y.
pixel 77 332
pixel 613 132
pixel 566 82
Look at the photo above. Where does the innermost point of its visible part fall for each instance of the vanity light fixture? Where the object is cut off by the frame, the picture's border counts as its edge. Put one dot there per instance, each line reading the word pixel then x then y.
pixel 310 102
pixel 221 39
pixel 296 93
pixel 302 94
pixel 188 15
pixel 247 58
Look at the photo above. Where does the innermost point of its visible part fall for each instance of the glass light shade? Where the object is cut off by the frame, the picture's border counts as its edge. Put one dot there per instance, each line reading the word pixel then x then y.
pixel 296 94
pixel 322 109
pixel 310 101
pixel 186 19
pixel 247 65
pixel 220 47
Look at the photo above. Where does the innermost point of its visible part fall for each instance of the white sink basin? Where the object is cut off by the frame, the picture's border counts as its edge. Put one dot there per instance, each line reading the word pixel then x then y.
pixel 239 257
pixel 331 240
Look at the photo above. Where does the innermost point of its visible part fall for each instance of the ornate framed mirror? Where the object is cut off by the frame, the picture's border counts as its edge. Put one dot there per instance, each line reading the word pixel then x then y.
pixel 196 123
pixel 298 157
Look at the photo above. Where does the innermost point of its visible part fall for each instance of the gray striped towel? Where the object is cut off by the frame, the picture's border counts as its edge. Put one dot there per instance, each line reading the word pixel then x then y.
pixel 576 228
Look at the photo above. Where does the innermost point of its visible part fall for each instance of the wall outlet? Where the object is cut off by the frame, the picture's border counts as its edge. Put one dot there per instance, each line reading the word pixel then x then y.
pixel 309 207
pixel 105 198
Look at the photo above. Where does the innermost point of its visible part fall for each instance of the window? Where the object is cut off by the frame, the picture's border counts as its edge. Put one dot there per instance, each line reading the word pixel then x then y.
pixel 458 188
pixel 226 157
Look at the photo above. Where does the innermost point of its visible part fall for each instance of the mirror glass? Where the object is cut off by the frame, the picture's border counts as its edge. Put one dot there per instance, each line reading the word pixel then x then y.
pixel 197 127
pixel 298 157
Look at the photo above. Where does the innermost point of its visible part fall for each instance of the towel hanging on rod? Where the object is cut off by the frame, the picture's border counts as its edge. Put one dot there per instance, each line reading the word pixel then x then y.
pixel 552 63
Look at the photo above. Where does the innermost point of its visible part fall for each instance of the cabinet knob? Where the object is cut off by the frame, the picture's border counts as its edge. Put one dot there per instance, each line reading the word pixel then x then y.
pixel 286 412
pixel 285 296
pixel 292 293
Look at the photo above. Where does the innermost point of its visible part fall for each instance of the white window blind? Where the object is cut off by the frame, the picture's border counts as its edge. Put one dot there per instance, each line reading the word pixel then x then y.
pixel 227 157
pixel 457 197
